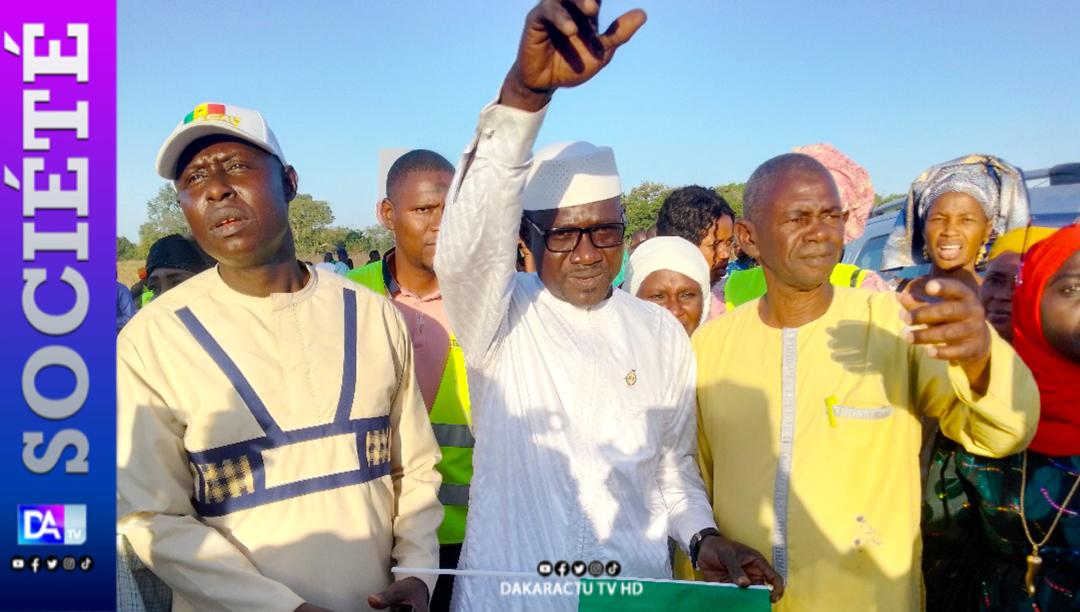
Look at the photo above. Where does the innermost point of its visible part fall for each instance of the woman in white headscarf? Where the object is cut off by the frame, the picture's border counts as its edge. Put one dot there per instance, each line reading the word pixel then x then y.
pixel 671 272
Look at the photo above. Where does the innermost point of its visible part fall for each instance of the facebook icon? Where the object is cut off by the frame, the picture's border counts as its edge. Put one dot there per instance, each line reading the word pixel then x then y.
pixel 52 524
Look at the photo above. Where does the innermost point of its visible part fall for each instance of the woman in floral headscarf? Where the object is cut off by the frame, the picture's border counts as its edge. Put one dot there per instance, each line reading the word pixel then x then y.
pixel 953 210
pixel 1020 530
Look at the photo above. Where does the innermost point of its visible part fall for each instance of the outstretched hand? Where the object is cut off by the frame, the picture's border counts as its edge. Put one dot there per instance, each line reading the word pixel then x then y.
pixel 724 560
pixel 405 594
pixel 954 328
pixel 562 46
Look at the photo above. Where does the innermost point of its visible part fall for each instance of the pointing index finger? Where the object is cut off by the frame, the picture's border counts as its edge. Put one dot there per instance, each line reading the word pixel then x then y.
pixel 942 312
pixel 948 289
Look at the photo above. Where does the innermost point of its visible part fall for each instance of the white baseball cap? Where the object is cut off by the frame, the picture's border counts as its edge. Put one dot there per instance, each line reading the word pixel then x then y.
pixel 209 119
pixel 567 174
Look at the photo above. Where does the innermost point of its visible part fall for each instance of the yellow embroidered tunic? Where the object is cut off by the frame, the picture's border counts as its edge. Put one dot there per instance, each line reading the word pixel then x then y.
pixel 809 443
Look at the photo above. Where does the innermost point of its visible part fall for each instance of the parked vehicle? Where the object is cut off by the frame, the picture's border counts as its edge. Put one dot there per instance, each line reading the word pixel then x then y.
pixel 1055 202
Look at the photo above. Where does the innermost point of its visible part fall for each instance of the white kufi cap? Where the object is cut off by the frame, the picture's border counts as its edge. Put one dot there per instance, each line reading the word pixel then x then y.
pixel 567 174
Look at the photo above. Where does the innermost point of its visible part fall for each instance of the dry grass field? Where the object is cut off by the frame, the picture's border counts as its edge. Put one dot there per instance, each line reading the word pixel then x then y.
pixel 127 272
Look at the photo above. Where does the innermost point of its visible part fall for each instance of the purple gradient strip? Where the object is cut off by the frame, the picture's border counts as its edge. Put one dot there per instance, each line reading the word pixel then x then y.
pixel 94 340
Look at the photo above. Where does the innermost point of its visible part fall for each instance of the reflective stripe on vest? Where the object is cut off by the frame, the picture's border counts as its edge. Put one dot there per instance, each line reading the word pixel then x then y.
pixel 453 435
pixel 743 286
pixel 450 421
pixel 233 477
pixel 454 495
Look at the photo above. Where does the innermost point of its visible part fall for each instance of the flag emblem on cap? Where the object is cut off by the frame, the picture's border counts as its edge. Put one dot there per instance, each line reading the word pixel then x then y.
pixel 210 111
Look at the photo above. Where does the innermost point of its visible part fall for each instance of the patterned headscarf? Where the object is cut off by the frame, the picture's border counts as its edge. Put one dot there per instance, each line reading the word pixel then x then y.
pixel 853 182
pixel 994 183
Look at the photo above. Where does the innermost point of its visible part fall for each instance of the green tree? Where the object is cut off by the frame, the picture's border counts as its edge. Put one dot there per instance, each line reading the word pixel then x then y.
pixel 163 217
pixel 358 242
pixel 377 237
pixel 310 219
pixel 125 249
pixel 642 203
pixel 332 237
pixel 733 193
pixel 882 199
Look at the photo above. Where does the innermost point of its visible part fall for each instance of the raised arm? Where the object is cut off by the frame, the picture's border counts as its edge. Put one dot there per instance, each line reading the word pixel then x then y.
pixel 474 258
pixel 561 46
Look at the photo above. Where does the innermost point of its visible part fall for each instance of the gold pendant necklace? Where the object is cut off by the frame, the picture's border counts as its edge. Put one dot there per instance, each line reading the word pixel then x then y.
pixel 1034 561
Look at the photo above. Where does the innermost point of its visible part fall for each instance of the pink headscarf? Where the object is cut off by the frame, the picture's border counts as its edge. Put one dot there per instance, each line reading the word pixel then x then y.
pixel 853 182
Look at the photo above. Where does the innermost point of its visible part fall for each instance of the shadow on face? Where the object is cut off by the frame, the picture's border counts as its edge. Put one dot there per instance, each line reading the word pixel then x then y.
pixel 582 275
pixel 723 247
pixel 236 197
pixel 996 292
pixel 1060 309
pixel 796 231
pixel 955 230
pixel 413 211
pixel 676 292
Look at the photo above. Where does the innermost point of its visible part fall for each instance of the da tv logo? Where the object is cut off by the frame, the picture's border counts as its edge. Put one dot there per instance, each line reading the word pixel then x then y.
pixel 52 524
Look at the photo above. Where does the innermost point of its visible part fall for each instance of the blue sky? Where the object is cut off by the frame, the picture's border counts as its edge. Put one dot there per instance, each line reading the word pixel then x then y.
pixel 705 92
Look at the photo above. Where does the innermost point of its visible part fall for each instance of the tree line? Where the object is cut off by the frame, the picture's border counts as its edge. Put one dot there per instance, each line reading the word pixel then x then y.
pixel 315 233
pixel 642 203
pixel 312 221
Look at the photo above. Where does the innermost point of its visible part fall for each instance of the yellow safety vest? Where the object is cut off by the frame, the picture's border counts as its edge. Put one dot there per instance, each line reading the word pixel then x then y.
pixel 745 285
pixel 450 420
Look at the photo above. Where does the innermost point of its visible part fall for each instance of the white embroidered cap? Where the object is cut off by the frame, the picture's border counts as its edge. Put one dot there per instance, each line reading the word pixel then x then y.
pixel 567 174
pixel 209 119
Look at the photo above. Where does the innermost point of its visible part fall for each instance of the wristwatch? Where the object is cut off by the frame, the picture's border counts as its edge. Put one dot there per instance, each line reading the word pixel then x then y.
pixel 695 543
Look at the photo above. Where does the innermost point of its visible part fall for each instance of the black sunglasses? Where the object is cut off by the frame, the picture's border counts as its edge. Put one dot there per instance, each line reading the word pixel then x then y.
pixel 566 239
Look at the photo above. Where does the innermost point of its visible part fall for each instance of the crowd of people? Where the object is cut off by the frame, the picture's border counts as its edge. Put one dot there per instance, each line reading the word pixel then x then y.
pixel 716 398
pixel 174 258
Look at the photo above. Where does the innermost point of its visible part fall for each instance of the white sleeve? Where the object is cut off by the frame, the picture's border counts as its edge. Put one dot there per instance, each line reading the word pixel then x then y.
pixel 154 511
pixel 475 256
pixel 678 476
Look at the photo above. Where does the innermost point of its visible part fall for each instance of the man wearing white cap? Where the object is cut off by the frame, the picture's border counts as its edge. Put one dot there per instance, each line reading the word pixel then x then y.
pixel 584 442
pixel 274 451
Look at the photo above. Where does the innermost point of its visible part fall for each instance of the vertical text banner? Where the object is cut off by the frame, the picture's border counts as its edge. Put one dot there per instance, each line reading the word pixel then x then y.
pixel 58 338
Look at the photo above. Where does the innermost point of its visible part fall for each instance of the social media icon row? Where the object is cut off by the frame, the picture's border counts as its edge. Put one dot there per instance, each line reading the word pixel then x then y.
pixel 578 568
pixel 36 564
